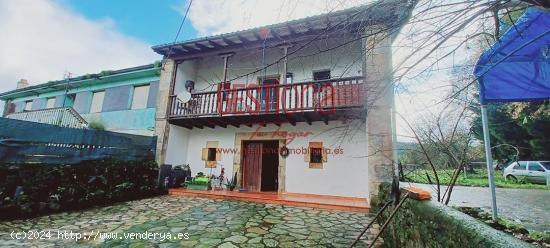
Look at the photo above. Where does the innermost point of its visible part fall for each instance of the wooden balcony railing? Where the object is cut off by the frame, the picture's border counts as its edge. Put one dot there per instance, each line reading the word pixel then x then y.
pixel 62 116
pixel 323 96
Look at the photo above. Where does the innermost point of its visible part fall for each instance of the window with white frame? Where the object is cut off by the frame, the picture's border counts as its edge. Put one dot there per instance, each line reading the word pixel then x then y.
pixel 50 102
pixel 28 106
pixel 97 101
pixel 139 97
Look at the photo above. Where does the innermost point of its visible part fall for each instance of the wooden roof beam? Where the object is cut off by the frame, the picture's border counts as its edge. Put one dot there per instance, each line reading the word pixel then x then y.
pixel 214 44
pixel 195 123
pixel 291 120
pixel 291 30
pixel 202 47
pixel 276 35
pixel 242 39
pixel 309 27
pixel 229 42
pixel 258 36
pixel 190 49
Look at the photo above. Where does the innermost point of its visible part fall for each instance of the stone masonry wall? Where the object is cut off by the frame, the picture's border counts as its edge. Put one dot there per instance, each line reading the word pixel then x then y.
pixel 431 224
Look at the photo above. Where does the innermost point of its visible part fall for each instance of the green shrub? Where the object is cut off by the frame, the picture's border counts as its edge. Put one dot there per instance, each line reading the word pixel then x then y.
pixel 97 125
pixel 28 190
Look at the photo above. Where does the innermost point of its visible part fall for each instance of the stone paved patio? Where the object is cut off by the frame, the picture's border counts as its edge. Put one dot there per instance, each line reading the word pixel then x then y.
pixel 207 222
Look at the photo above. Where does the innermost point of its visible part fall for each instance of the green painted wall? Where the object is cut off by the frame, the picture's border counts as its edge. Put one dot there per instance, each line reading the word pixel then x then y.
pixel 94 87
pixel 113 117
pixel 136 121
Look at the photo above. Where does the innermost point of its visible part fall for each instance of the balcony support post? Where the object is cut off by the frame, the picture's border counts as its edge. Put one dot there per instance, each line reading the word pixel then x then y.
pixel 225 57
pixel 285 64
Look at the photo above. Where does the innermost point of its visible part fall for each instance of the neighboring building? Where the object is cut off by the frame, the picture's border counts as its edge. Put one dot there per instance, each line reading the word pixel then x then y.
pixel 312 103
pixel 120 101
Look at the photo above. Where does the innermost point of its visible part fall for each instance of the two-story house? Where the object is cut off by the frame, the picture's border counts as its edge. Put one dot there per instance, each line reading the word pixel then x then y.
pixel 303 106
pixel 120 101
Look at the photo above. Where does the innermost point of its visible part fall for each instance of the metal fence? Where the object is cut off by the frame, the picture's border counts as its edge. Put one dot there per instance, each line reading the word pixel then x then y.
pixel 31 142
pixel 63 116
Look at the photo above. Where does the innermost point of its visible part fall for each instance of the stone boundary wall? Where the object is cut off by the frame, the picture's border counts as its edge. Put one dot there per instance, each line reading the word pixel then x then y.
pixel 432 224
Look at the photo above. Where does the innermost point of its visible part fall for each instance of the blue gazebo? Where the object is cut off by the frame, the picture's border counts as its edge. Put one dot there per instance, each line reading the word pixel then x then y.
pixel 516 68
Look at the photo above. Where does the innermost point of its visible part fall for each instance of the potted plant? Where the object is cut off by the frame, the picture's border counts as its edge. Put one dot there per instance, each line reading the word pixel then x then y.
pixel 231 184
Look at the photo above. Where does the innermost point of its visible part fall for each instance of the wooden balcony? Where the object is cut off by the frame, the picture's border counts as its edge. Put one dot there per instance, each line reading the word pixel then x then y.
pixel 334 99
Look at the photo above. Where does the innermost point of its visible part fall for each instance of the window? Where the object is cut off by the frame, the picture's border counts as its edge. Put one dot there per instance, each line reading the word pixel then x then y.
pixel 321 75
pixel 534 166
pixel 316 155
pixel 139 98
pixel 97 101
pixel 28 106
pixel 520 166
pixel 211 154
pixel 68 101
pixel 289 78
pixel 50 103
pixel 546 164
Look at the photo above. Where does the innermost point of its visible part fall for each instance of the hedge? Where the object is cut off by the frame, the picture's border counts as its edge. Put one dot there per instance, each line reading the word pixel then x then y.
pixel 28 190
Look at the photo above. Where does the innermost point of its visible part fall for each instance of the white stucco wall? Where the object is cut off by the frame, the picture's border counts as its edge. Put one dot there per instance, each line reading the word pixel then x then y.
pixel 343 174
pixel 178 142
pixel 344 61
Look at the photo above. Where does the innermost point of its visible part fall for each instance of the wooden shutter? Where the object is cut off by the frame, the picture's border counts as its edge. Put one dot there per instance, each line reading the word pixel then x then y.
pixel 204 154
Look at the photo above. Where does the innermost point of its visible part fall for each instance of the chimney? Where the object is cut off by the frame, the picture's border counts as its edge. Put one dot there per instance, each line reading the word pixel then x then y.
pixel 23 83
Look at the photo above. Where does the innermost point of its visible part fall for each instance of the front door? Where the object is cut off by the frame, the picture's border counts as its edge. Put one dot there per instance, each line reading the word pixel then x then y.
pixel 252 165
pixel 260 165
pixel 270 166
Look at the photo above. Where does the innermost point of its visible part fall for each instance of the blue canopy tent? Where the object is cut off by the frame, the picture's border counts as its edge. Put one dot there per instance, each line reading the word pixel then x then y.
pixel 516 68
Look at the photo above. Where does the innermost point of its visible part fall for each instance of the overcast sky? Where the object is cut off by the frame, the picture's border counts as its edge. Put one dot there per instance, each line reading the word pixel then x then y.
pixel 43 40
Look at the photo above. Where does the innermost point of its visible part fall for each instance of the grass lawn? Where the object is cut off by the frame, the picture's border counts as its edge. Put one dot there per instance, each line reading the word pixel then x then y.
pixel 478 179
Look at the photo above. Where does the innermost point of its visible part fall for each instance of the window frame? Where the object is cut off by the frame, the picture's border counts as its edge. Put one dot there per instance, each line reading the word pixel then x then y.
pixel 28 105
pixel 48 101
pixel 518 164
pixel 321 71
pixel 132 99
pixel 535 164
pixel 94 93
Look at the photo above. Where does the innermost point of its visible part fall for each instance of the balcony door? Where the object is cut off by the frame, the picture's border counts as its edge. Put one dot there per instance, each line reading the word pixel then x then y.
pixel 269 92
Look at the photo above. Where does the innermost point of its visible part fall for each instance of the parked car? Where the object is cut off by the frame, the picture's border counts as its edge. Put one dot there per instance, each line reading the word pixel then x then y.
pixel 532 171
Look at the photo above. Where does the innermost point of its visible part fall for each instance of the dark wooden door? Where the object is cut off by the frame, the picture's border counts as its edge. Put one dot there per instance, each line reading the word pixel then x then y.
pixel 252 165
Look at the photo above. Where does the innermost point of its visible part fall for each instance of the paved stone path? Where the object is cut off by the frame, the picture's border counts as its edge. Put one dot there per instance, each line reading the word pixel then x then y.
pixel 530 207
pixel 207 222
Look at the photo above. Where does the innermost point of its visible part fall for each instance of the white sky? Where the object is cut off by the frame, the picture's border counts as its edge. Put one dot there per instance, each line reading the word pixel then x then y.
pixel 41 40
